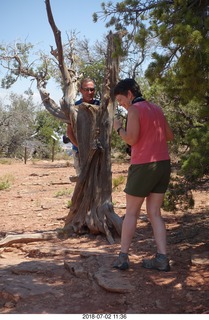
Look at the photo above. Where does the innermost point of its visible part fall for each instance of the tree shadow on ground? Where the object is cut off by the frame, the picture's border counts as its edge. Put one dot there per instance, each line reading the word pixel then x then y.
pixel 42 283
pixel 185 287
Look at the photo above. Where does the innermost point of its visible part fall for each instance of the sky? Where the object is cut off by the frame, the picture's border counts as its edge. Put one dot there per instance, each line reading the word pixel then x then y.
pixel 26 20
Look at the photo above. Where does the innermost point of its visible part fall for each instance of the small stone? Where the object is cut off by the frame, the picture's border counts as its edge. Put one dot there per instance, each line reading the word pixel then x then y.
pixel 200 259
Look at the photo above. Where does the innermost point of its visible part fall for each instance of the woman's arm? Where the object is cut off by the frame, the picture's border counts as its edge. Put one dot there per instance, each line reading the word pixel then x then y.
pixel 131 134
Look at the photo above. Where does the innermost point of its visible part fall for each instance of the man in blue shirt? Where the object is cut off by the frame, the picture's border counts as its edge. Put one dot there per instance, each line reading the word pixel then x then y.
pixel 87 90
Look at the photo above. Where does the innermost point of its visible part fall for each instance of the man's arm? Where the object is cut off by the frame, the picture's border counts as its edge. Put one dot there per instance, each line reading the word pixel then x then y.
pixel 71 135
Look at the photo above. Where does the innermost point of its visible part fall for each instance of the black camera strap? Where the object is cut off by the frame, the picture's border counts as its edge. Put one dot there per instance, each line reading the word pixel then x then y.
pixel 135 100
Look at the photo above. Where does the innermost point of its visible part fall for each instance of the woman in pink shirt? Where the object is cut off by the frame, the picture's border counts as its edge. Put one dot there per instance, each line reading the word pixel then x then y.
pixel 147 132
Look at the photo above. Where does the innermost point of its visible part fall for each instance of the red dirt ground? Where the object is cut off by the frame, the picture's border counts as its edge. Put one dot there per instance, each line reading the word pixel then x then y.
pixel 74 275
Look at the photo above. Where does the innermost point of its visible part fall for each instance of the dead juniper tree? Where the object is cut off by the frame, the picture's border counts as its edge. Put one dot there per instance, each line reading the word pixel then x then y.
pixel 91 210
pixel 91 202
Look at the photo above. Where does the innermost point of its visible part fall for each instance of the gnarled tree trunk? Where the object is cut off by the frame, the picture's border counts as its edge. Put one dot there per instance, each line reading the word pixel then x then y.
pixel 92 210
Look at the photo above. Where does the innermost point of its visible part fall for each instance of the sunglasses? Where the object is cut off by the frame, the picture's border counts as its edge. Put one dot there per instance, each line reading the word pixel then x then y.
pixel 88 89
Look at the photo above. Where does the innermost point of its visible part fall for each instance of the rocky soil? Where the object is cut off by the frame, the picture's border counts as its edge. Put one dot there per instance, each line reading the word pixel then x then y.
pixel 46 274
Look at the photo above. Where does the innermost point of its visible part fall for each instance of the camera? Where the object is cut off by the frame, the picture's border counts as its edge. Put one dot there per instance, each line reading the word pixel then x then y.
pixel 128 149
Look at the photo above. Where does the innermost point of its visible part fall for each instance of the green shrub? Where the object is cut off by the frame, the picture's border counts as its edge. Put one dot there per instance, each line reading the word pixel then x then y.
pixel 117 181
pixel 178 196
pixel 63 193
pixel 6 181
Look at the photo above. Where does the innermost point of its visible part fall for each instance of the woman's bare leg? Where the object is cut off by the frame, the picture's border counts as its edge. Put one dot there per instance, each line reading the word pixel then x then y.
pixel 133 206
pixel 154 202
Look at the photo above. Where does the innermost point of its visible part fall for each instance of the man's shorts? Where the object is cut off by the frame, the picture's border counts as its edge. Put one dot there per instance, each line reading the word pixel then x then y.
pixel 147 178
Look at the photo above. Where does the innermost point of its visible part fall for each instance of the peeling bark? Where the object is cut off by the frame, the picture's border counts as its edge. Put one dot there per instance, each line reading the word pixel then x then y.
pixel 92 209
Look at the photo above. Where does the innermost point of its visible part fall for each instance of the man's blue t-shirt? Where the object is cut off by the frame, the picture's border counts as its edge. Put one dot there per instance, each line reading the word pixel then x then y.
pixel 95 102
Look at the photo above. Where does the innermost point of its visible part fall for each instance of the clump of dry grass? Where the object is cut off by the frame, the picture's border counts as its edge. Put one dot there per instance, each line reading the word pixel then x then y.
pixel 118 181
pixel 6 181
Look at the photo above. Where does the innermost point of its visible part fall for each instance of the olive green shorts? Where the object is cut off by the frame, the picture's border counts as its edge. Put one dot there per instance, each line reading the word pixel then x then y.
pixel 147 178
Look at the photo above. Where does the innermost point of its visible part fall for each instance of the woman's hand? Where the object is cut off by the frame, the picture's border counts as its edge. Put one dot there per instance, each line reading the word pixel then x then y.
pixel 117 123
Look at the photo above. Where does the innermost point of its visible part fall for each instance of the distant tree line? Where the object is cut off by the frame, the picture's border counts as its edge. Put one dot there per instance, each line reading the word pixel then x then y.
pixel 25 125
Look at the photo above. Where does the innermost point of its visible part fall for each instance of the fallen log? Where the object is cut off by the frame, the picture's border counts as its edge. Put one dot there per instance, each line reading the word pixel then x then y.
pixel 26 238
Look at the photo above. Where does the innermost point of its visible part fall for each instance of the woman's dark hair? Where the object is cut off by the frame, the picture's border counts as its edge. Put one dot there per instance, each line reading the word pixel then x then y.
pixel 123 86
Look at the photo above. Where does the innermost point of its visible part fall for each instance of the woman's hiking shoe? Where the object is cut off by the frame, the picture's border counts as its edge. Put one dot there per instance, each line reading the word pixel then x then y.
pixel 159 262
pixel 122 262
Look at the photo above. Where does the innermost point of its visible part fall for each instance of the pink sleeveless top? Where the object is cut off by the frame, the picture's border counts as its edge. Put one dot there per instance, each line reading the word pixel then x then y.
pixel 152 145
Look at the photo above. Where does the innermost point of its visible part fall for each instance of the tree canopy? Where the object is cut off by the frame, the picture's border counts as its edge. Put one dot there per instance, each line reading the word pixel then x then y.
pixel 172 37
pixel 177 33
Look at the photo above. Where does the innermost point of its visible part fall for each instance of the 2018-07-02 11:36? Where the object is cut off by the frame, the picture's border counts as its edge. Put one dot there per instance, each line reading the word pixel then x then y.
pixel 119 316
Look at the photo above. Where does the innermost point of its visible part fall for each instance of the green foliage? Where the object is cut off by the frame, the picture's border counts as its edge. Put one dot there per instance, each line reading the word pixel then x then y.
pixel 17 124
pixel 6 181
pixel 4 185
pixel 190 126
pixel 10 57
pixel 119 50
pixel 47 126
pixel 23 125
pixel 194 163
pixel 118 181
pixel 182 31
pixel 5 161
pixel 141 37
pixel 69 203
pixel 177 32
pixel 177 75
pixel 117 144
pixel 63 193
pixel 178 195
